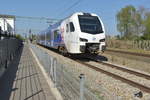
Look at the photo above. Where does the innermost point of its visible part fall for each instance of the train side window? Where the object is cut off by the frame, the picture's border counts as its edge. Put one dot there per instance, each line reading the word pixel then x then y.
pixel 55 34
pixel 72 29
pixel 67 28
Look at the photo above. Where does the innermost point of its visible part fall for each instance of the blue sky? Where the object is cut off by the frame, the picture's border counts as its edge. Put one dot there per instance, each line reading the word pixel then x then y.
pixel 106 9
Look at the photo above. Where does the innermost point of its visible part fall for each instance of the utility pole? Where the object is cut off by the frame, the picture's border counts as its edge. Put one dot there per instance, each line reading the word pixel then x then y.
pixel 4 20
pixel 0 32
pixel 29 35
pixel 45 38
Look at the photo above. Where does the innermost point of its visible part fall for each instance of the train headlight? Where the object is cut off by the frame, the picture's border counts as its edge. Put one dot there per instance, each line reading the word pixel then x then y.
pixel 83 40
pixel 102 40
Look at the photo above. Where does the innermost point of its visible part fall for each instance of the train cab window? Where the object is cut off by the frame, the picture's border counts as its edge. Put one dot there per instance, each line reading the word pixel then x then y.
pixel 67 28
pixel 72 29
pixel 90 24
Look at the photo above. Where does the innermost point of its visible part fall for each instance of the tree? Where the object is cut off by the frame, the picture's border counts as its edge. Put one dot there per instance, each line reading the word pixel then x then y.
pixel 142 12
pixel 147 23
pixel 134 23
pixel 18 36
pixel 129 22
pixel 146 35
pixel 137 23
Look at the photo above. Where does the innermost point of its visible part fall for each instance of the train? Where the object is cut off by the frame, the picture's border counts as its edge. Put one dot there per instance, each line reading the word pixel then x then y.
pixel 79 33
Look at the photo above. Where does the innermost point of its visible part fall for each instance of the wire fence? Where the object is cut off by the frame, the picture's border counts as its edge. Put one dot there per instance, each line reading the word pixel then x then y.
pixel 70 87
pixel 8 49
pixel 141 44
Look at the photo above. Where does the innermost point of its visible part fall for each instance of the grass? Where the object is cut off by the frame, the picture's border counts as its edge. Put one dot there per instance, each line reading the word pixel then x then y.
pixel 131 50
pixel 98 95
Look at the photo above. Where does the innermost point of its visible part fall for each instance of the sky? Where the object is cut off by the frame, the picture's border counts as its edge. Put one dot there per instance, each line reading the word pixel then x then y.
pixel 59 9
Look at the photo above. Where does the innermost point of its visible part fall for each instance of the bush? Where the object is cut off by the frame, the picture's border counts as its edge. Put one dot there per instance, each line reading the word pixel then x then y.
pixel 18 36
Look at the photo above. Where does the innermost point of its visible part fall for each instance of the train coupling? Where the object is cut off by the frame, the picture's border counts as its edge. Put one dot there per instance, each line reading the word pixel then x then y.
pixel 102 48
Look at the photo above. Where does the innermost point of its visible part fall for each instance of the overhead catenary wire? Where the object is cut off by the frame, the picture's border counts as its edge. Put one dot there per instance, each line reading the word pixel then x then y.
pixel 37 18
pixel 70 7
pixel 29 17
pixel 32 23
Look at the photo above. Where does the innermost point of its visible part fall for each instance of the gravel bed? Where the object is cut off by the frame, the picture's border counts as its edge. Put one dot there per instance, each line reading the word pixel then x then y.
pixel 115 87
pixel 123 74
pixel 101 84
pixel 129 61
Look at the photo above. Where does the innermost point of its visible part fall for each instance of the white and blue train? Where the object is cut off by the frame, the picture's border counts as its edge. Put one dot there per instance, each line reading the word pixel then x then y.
pixel 78 33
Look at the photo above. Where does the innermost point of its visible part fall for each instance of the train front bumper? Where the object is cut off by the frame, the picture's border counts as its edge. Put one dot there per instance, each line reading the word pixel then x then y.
pixel 89 47
pixel 92 47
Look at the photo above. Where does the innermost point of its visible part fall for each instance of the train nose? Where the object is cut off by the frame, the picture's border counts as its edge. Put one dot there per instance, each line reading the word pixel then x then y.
pixel 90 47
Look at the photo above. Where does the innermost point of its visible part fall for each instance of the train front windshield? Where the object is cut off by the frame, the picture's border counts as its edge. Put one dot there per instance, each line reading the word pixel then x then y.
pixel 90 24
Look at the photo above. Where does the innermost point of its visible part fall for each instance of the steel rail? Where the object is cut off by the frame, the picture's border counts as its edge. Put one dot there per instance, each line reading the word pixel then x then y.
pixel 146 76
pixel 132 83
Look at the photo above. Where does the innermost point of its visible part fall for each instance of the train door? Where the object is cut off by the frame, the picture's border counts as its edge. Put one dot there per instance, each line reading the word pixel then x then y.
pixel 73 37
pixel 57 38
pixel 71 29
pixel 52 38
pixel 67 36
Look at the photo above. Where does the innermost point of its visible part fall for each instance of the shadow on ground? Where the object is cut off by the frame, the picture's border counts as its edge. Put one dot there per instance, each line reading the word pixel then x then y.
pixel 89 57
pixel 6 81
pixel 101 58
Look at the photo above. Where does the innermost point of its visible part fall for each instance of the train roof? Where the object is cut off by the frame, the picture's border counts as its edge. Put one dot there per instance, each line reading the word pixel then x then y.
pixel 57 24
pixel 77 13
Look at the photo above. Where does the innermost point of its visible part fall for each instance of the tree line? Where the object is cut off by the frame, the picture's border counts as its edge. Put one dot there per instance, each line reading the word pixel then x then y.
pixel 133 23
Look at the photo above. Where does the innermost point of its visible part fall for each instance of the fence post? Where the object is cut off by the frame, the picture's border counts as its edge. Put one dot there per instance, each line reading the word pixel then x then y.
pixel 51 68
pixel 49 64
pixel 55 65
pixel 82 78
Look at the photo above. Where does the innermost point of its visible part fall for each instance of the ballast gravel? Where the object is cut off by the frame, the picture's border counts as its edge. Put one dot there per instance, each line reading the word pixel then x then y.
pixel 101 84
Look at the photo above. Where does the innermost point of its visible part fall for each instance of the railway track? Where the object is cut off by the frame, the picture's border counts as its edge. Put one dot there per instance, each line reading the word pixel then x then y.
pixel 125 80
pixel 146 76
pixel 130 53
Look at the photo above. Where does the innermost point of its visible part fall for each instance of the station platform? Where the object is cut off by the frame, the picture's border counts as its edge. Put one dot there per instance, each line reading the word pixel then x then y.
pixel 23 80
